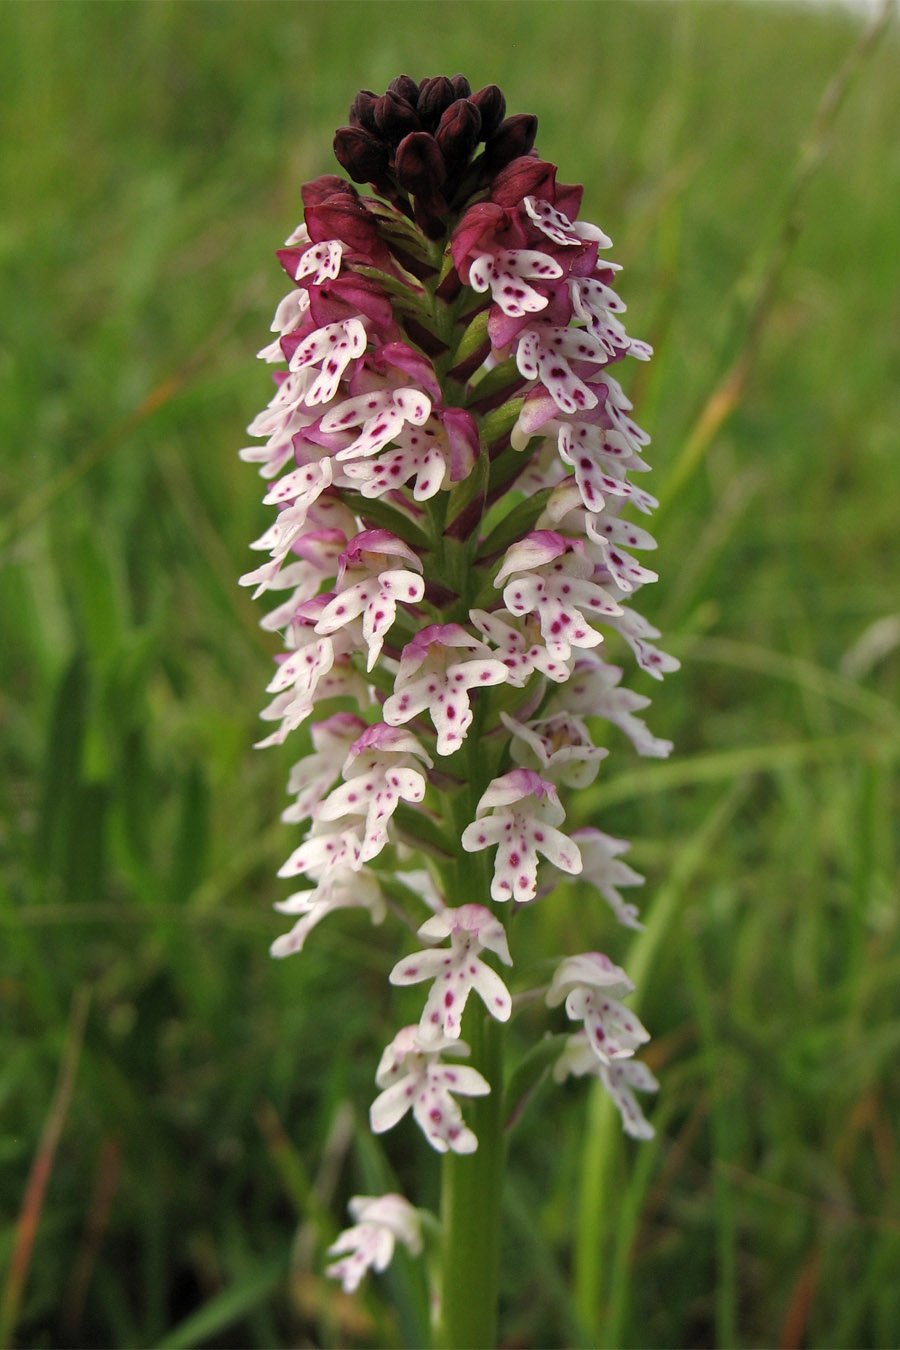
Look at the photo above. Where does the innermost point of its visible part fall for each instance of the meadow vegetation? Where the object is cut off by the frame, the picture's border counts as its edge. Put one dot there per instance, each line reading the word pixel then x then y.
pixel 179 1113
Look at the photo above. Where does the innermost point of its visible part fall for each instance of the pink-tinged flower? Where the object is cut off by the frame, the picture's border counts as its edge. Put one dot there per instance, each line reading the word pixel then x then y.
pixel 636 630
pixel 381 1222
pixel 326 851
pixel 368 588
pixel 441 450
pixel 595 691
pixel 429 678
pixel 318 553
pixel 471 929
pixel 507 273
pixel 620 1080
pixel 414 1076
pixel 592 987
pixel 596 457
pixel 559 747
pixel 518 647
pixel 603 869
pixel 312 776
pixel 381 416
pixel 344 888
pixel 603 533
pixel 559 591
pixel 378 775
pixel 519 813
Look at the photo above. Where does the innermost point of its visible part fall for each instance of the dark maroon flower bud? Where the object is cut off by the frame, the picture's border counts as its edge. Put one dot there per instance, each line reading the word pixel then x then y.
pixel 419 165
pixel 346 218
pixel 434 96
pixel 327 185
pixel 362 110
pixel 524 177
pixel 406 87
pixel 458 133
pixel 361 153
pixel 461 86
pixel 513 138
pixel 492 105
pixel 396 117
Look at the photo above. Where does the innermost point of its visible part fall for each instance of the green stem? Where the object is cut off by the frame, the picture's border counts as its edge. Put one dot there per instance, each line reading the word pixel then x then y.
pixel 471 1192
pixel 472 1184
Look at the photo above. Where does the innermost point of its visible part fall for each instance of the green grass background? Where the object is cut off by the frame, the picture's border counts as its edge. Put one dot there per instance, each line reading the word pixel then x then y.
pixel 198 1102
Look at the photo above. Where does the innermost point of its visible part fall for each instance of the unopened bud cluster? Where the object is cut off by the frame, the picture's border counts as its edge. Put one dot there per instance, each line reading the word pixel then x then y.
pixel 452 459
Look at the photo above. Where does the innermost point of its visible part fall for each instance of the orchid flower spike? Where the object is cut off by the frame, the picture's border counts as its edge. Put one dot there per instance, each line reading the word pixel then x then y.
pixel 453 469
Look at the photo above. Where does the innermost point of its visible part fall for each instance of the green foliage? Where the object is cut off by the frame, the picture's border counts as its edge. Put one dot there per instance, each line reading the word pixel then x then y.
pixel 150 163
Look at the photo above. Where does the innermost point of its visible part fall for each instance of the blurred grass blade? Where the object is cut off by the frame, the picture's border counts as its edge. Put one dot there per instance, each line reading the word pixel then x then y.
pixel 225 1309
pixel 62 763
pixel 39 1177
pixel 542 1264
pixel 189 858
pixel 806 675
pixel 717 765
pixel 595 1219
pixel 406 1279
pixel 726 395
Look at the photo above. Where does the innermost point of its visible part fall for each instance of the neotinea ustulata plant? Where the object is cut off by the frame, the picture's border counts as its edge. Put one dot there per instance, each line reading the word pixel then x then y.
pixel 455 468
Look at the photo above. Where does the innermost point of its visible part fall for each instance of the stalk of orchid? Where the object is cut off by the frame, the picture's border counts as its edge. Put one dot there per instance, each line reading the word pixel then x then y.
pixel 452 460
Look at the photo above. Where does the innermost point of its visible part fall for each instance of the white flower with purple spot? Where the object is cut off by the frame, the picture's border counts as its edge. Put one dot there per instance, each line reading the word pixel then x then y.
pixel 471 930
pixel 595 691
pixel 558 227
pixel 439 451
pixel 518 646
pixel 544 354
pixel 366 587
pixel 414 1077
pixel 559 747
pixel 332 348
pixel 620 1080
pixel 381 1222
pixel 636 630
pixel 551 577
pixel 507 273
pixel 325 851
pixel 382 414
pixel 378 775
pixel 438 670
pixel 596 459
pixel 603 868
pixel 593 987
pixel 312 776
pixel 519 814
pixel 344 888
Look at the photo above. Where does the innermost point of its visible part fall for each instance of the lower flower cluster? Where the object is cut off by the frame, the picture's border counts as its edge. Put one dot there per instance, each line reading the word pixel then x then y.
pixel 451 461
